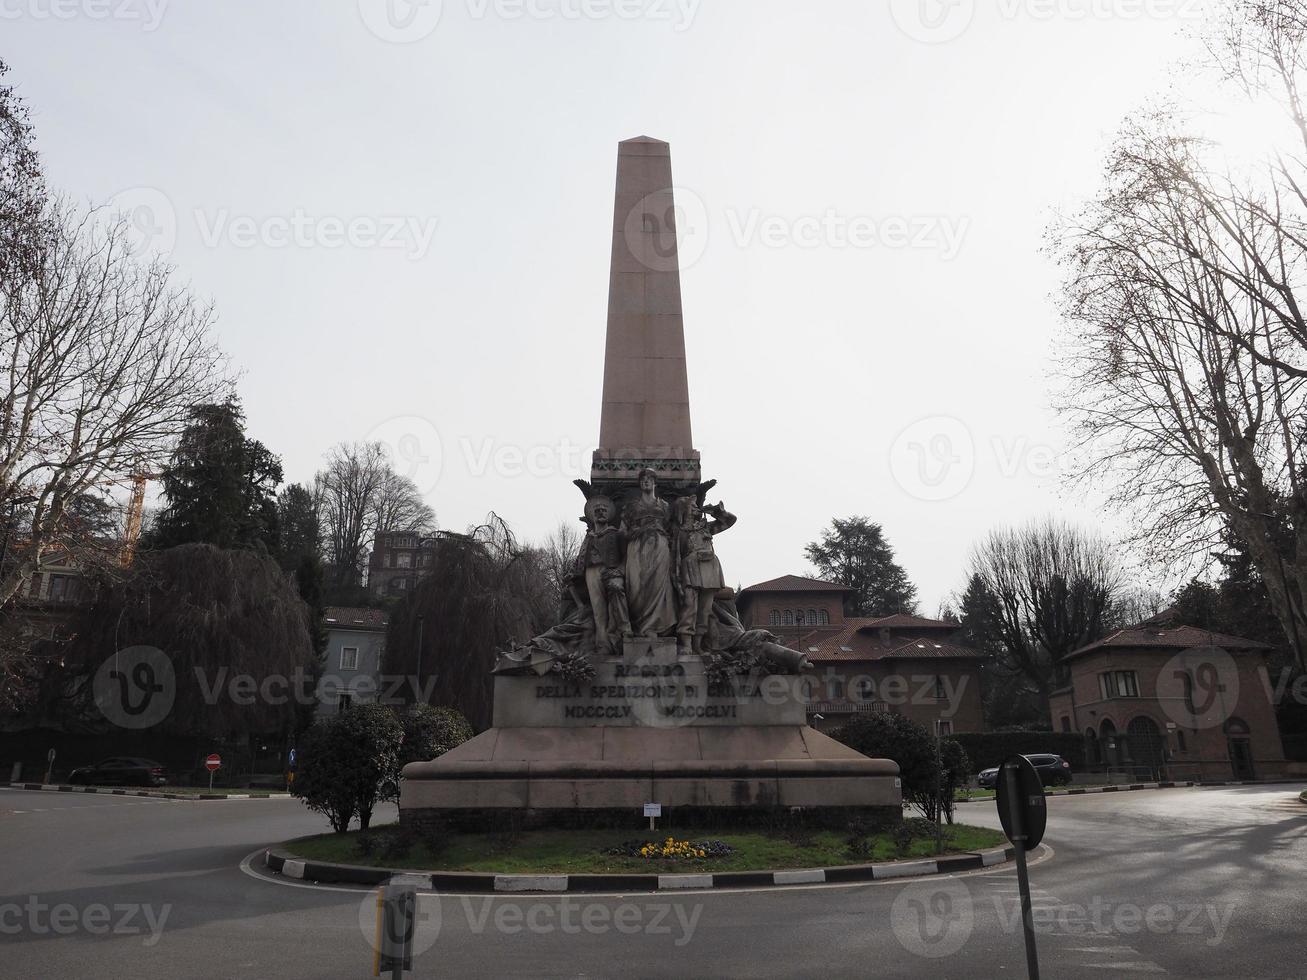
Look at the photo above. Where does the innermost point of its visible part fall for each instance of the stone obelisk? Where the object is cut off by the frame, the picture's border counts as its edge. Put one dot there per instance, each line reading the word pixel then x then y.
pixel 645 420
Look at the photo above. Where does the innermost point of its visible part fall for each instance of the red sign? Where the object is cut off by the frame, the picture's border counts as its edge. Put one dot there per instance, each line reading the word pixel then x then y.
pixel 213 762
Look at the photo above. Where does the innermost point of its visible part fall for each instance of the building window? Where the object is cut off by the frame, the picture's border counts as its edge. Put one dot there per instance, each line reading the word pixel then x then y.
pixel 788 618
pixel 836 688
pixel 1179 741
pixel 944 728
pixel 404 560
pixel 775 619
pixel 866 689
pixel 798 617
pixel 1188 682
pixel 812 617
pixel 940 693
pixel 402 584
pixel 344 701
pixel 1118 684
pixel 1066 723
pixel 349 658
pixel 823 618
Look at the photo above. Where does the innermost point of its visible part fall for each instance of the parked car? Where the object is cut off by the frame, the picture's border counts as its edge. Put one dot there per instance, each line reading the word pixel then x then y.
pixel 120 771
pixel 1053 771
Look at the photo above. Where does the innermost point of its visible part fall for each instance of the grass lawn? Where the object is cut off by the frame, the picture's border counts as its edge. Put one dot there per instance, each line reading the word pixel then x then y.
pixel 974 794
pixel 184 790
pixel 582 851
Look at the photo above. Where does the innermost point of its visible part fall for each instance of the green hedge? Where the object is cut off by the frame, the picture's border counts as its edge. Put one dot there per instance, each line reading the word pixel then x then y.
pixel 988 749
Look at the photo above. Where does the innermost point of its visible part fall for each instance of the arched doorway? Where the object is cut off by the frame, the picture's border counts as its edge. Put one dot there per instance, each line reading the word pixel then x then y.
pixel 1092 756
pixel 1238 738
pixel 1111 744
pixel 1147 747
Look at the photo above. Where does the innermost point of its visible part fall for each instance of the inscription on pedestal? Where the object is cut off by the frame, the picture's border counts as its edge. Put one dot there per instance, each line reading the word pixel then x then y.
pixel 647 694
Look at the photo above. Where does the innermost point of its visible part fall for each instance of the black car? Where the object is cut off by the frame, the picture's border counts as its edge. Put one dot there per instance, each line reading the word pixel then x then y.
pixel 1053 771
pixel 120 771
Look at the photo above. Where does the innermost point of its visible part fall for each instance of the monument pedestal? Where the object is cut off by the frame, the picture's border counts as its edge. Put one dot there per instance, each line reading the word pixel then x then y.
pixel 652 729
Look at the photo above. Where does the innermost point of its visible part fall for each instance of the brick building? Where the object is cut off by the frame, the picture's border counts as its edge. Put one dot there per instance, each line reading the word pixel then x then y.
pixel 908 665
pixel 1173 703
pixel 398 560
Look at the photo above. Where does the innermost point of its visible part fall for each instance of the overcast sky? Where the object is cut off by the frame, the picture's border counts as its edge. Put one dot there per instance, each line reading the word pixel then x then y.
pixel 868 315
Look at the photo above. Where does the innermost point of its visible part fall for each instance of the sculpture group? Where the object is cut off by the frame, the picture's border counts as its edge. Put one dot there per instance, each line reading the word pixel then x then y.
pixel 646 570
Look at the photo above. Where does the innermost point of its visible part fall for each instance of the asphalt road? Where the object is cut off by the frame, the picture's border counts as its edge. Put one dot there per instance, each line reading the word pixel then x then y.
pixel 1184 883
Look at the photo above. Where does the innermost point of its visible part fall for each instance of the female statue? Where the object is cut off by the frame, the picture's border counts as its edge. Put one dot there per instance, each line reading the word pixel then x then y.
pixel 650 594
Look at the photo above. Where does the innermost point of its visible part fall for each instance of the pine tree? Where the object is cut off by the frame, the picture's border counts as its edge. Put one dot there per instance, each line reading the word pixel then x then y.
pixel 853 552
pixel 220 485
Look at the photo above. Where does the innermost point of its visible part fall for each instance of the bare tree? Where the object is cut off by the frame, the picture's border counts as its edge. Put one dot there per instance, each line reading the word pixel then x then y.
pixel 103 360
pixel 359 495
pixel 1187 354
pixel 1039 592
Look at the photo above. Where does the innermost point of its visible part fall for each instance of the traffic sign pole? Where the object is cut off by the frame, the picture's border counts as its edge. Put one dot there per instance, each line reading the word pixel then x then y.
pixel 1018 835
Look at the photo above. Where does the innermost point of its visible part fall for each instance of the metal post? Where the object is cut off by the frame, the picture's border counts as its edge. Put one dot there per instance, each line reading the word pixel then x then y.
pixel 420 691
pixel 939 792
pixel 1023 878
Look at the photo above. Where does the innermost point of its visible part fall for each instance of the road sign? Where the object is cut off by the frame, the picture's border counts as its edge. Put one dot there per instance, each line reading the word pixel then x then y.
pixel 1021 805
pixel 1023 811
pixel 213 762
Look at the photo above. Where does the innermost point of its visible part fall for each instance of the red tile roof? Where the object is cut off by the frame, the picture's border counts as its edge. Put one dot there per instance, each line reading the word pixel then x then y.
pixel 795 583
pixel 351 617
pixel 1178 638
pixel 861 639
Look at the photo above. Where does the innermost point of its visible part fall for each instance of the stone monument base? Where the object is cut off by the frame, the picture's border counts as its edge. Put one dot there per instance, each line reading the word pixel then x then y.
pixel 535 774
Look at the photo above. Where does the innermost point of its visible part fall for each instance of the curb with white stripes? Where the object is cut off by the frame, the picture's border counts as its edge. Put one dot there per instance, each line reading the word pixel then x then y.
pixel 1124 788
pixel 283 862
pixel 151 794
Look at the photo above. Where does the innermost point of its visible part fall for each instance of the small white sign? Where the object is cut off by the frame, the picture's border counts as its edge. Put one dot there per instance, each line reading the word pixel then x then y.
pixel 898 783
pixel 653 809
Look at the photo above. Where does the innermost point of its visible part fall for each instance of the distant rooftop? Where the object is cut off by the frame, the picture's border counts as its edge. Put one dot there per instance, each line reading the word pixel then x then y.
pixel 795 583
pixel 354 617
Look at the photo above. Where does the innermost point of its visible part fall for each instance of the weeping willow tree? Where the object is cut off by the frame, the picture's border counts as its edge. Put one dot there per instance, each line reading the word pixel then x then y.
pixel 232 623
pixel 486 589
